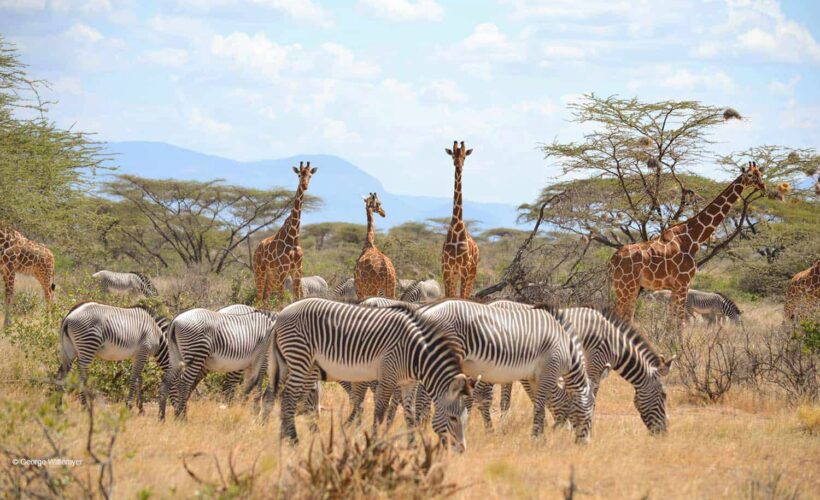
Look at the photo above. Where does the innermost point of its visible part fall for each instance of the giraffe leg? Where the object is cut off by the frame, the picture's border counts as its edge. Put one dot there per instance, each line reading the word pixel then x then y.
pixel 277 284
pixel 8 276
pixel 677 305
pixel 626 297
pixel 450 282
pixel 297 283
pixel 260 276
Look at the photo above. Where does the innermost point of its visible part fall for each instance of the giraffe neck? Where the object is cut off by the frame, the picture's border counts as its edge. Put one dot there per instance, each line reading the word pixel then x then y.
pixel 369 242
pixel 295 219
pixel 701 226
pixel 458 210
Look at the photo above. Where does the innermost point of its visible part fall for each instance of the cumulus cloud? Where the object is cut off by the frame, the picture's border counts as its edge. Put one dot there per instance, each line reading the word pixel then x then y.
pixel 479 52
pixel 446 91
pixel 337 131
pixel 255 53
pixel 344 63
pixel 687 80
pixel 198 120
pixel 301 10
pixel 84 33
pixel 168 57
pixel 405 10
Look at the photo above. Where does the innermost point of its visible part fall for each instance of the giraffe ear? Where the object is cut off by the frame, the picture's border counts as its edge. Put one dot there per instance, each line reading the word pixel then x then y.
pixel 469 152
pixel 295 170
pixel 448 151
pixel 313 170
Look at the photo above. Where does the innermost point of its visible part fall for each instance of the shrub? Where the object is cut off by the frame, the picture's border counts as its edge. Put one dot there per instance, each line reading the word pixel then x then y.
pixel 786 357
pixel 708 363
pixel 809 418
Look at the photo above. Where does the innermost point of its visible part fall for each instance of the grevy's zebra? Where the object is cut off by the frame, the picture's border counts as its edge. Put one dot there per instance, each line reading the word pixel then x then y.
pixel 712 306
pixel 124 282
pixel 609 343
pixel 502 346
pixel 345 290
pixel 312 286
pixel 91 329
pixel 354 343
pixel 422 291
pixel 220 342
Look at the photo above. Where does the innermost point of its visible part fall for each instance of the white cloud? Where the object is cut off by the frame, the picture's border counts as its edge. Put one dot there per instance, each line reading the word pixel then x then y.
pixel 337 131
pixel 686 80
pixel 344 63
pixel 181 27
pixel 445 90
pixel 405 10
pixel 67 85
pixel 301 10
pixel 784 88
pixel 199 120
pixel 168 57
pixel 479 52
pixel 83 6
pixel 84 33
pixel 256 54
pixel 23 4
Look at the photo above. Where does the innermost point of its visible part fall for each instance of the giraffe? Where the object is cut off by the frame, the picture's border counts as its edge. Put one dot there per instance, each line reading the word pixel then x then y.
pixel 803 294
pixel 18 254
pixel 280 255
pixel 374 272
pixel 668 260
pixel 459 256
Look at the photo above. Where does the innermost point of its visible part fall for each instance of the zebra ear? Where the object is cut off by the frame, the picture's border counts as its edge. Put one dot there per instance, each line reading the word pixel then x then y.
pixel 666 365
pixel 460 386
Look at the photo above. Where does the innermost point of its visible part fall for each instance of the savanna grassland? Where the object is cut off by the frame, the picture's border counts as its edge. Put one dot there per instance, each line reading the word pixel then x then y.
pixel 754 441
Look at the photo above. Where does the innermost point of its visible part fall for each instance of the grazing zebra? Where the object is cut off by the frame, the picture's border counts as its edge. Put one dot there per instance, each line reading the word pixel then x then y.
pixel 502 346
pixel 711 306
pixel 125 282
pixel 91 329
pixel 312 286
pixel 393 345
pixel 609 343
pixel 422 291
pixel 345 291
pixel 219 342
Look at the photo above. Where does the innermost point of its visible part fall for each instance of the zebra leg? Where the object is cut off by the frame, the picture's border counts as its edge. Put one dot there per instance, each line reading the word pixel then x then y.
pixel 82 366
pixel 192 373
pixel 383 392
pixel 483 393
pixel 423 406
pixel 393 407
pixel 356 396
pixel 295 386
pixel 232 379
pixel 169 382
pixel 135 384
pixel 506 398
pixel 313 382
pixel 546 391
pixel 59 378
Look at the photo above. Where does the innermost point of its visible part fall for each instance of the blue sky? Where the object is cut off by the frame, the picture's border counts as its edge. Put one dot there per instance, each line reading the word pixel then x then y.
pixel 389 84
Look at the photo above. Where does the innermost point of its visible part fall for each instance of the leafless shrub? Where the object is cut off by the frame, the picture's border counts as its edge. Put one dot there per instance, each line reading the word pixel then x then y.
pixel 194 289
pixel 234 484
pixel 365 466
pixel 708 363
pixel 771 488
pixel 788 357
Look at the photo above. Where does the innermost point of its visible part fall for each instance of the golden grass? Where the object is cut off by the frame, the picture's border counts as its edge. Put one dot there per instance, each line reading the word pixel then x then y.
pixel 709 451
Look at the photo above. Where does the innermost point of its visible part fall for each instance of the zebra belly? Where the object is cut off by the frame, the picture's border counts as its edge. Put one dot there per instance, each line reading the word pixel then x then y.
pixel 224 365
pixel 349 372
pixel 498 374
pixel 113 352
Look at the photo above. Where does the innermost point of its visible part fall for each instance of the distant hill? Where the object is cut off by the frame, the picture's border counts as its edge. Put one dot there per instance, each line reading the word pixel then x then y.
pixel 339 183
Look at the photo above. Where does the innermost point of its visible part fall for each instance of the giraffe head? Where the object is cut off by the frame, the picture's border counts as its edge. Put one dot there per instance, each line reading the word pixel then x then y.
pixel 751 177
pixel 304 172
pixel 459 154
pixel 373 204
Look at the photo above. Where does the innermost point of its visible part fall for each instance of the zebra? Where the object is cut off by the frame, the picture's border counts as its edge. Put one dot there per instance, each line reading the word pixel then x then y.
pixel 393 345
pixel 609 344
pixel 422 291
pixel 501 346
pixel 312 286
pixel 91 329
pixel 345 291
pixel 124 282
pixel 711 306
pixel 200 339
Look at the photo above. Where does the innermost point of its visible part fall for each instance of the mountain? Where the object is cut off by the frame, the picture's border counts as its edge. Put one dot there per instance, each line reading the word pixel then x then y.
pixel 339 183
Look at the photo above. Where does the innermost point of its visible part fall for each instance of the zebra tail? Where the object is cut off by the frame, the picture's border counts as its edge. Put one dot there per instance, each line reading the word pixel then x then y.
pixel 276 365
pixel 67 350
pixel 173 348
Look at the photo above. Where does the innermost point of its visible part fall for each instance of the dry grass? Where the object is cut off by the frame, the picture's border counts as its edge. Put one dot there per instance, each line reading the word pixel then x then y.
pixel 750 441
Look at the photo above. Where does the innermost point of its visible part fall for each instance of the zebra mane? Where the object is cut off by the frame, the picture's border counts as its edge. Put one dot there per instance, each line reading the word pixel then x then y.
pixel 731 303
pixel 549 307
pixel 431 330
pixel 635 337
pixel 81 303
pixel 145 280
pixel 493 301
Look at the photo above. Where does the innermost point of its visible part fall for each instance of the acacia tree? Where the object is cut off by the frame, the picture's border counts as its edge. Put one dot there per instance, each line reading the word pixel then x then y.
pixel 44 170
pixel 200 223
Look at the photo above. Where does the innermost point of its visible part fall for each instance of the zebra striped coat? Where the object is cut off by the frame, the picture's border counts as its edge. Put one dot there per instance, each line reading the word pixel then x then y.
pixel 354 343
pixel 93 330
pixel 422 291
pixel 125 282
pixel 711 306
pixel 502 346
pixel 200 339
pixel 345 291
pixel 312 286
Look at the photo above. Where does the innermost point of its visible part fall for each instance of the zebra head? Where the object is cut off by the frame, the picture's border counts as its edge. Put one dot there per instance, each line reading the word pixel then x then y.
pixel 450 418
pixel 650 397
